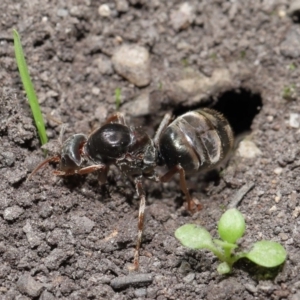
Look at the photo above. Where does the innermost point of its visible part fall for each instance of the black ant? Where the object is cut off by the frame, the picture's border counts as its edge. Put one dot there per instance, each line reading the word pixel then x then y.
pixel 196 141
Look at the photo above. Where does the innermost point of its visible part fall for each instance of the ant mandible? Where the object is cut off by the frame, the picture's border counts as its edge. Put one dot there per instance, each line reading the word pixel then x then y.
pixel 196 141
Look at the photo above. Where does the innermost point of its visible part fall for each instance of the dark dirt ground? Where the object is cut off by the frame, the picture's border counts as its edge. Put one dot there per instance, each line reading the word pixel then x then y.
pixel 67 239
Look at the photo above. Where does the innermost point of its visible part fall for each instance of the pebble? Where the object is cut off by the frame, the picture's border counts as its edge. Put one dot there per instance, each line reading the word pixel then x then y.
pixel 296 212
pixel 81 225
pixel 184 268
pixel 290 47
pixel 251 288
pixel 278 170
pixel 61 12
pixel 46 296
pixel 283 236
pixel 29 286
pixel 294 120
pixel 56 258
pixel 189 278
pixel 7 158
pixel 122 6
pixel 140 106
pixel 183 17
pixel 104 66
pixel 140 293
pixel 133 63
pixel 32 237
pixel 194 87
pixel 12 213
pixel 104 10
pixel 248 149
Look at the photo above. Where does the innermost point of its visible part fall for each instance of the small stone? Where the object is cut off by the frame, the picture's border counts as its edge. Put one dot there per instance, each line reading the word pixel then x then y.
pixel 273 208
pixel 56 258
pixel 189 278
pixel 278 171
pixel 184 268
pixel 46 296
pixel 82 225
pixel 296 212
pixel 29 286
pixel 61 12
pixel 251 288
pixel 290 47
pixel 277 198
pixel 133 63
pixel 104 10
pixel 7 158
pixel 183 17
pixel 140 293
pixel 283 236
pixel 248 149
pixel 96 91
pixel 32 237
pixel 193 88
pixel 294 120
pixel 12 213
pixel 104 66
pixel 139 106
pixel 45 210
pixel 122 6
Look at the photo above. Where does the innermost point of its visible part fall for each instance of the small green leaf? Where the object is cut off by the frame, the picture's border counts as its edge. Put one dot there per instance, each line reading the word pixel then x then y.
pixel 267 254
pixel 193 236
pixel 231 225
pixel 223 268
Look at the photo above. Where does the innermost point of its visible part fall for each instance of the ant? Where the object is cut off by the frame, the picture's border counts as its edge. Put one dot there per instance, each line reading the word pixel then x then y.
pixel 195 141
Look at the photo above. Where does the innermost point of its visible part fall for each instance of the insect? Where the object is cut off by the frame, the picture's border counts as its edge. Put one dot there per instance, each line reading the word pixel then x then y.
pixel 196 141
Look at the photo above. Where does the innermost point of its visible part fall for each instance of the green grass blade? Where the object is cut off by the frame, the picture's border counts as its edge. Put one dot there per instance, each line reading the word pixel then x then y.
pixel 28 86
pixel 118 97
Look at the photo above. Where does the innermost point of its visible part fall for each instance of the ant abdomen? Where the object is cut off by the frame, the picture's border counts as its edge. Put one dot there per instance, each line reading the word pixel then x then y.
pixel 198 140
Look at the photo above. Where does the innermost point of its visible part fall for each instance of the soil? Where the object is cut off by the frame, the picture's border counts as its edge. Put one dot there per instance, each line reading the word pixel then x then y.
pixel 71 239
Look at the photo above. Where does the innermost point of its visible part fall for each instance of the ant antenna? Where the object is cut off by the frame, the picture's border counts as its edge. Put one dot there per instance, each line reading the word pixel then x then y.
pixel 48 160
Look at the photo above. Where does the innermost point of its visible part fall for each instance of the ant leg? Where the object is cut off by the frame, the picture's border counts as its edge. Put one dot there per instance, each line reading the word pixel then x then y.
pixel 81 171
pixel 162 126
pixel 48 160
pixel 116 118
pixel 178 169
pixel 102 175
pixel 141 194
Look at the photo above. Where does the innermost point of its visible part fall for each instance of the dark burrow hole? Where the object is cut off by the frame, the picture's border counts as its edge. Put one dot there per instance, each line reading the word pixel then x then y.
pixel 240 109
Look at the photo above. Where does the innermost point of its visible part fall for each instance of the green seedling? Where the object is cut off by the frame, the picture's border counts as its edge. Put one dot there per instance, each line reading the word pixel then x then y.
pixel 231 227
pixel 118 98
pixel 29 89
pixel 289 92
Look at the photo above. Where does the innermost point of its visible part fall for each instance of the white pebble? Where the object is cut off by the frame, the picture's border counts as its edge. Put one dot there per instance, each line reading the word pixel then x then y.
pixel 294 120
pixel 133 63
pixel 278 171
pixel 104 10
pixel 248 149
